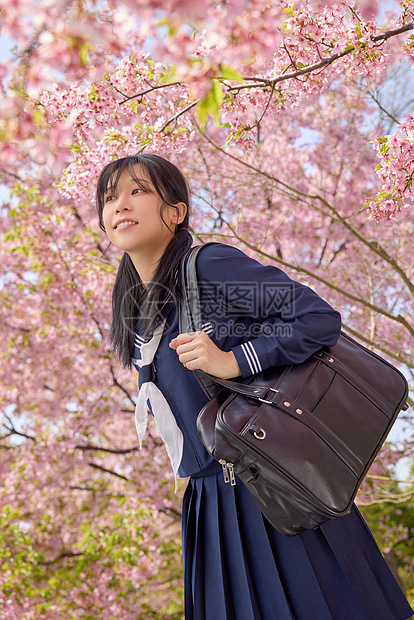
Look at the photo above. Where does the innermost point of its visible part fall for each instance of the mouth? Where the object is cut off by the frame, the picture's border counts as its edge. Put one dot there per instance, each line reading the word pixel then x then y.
pixel 125 224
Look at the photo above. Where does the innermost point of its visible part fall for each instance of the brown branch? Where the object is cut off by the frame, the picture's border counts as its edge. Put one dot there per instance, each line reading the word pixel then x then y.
pixel 304 271
pixel 62 556
pixel 74 487
pixel 296 194
pixel 264 82
pixel 120 386
pixel 171 512
pixel 10 174
pixel 20 329
pixel 376 101
pixel 108 471
pixel 13 430
pixel 307 272
pixel 176 116
pixel 149 90
pixel 397 356
pixel 111 451
pixel 392 499
pixel 257 124
pixel 389 479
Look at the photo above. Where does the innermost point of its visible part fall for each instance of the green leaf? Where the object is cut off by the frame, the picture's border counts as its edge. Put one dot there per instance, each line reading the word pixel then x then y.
pixel 20 91
pixel 288 10
pixel 383 195
pixel 229 73
pixel 382 140
pixel 171 29
pixel 211 104
pixel 83 54
pixel 228 140
pixel 37 116
pixel 358 30
pixel 92 95
pixel 169 75
pixel 217 91
pixel 202 110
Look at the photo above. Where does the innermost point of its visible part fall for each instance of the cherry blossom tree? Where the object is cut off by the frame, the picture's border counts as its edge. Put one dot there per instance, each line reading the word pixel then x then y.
pixel 293 125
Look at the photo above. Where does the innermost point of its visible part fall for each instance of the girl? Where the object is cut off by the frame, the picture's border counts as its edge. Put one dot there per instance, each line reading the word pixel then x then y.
pixel 236 565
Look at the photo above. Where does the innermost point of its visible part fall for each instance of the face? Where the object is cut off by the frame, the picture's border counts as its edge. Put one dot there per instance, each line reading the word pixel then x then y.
pixel 132 219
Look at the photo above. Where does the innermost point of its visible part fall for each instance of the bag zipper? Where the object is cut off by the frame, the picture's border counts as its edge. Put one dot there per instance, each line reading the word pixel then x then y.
pixel 228 472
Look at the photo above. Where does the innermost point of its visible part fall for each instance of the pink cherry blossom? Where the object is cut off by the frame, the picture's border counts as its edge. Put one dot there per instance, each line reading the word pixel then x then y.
pixel 295 140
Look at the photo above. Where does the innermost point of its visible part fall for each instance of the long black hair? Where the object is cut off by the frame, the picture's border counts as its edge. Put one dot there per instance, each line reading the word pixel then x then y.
pixel 131 300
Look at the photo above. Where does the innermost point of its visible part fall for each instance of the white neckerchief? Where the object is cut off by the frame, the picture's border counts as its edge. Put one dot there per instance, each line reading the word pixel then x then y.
pixel 164 417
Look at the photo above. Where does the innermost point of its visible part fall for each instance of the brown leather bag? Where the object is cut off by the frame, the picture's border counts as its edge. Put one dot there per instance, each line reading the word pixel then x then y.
pixel 301 437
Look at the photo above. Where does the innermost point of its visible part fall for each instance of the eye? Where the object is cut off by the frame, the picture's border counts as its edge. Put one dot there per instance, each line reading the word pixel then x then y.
pixel 137 190
pixel 109 197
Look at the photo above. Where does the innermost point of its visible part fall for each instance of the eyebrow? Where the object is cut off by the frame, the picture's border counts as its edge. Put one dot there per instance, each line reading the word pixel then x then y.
pixel 136 180
pixel 112 188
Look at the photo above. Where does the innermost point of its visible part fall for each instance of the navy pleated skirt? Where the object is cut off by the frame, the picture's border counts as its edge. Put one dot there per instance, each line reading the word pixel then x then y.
pixel 238 567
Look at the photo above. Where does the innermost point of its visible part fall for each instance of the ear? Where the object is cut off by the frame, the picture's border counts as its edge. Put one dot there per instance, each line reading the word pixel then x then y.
pixel 179 212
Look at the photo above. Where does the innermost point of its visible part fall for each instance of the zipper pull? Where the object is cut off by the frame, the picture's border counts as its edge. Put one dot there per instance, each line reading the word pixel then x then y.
pixel 224 466
pixel 232 476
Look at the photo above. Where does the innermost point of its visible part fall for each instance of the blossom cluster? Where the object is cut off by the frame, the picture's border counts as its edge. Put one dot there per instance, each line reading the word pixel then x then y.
pixel 395 171
pixel 278 166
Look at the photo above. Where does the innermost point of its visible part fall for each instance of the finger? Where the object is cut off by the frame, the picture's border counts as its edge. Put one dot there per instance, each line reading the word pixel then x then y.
pixel 194 345
pixel 187 337
pixel 182 339
pixel 182 348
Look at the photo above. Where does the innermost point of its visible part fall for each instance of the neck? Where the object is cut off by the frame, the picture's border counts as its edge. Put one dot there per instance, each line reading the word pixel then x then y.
pixel 146 263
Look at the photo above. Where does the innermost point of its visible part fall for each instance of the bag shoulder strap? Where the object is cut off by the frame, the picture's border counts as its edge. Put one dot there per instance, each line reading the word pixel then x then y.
pixel 189 311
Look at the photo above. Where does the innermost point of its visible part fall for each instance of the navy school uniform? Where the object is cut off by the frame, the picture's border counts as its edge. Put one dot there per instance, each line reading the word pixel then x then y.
pixel 236 565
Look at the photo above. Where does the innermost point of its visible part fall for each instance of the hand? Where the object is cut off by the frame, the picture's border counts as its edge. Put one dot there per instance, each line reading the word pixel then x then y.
pixel 196 351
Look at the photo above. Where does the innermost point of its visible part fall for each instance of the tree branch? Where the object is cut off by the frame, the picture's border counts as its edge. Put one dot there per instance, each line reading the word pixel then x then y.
pixel 395 498
pixel 376 101
pixel 149 90
pixel 307 272
pixel 13 430
pixel 171 512
pixel 176 116
pixel 295 194
pixel 121 387
pixel 102 449
pixel 395 355
pixel 62 556
pixel 108 471
pixel 266 82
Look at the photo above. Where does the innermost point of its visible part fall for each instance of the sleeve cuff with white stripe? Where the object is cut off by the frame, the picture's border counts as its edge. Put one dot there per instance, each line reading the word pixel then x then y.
pixel 247 359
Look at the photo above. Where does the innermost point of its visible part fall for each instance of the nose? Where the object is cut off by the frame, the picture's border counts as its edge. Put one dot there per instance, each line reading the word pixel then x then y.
pixel 122 204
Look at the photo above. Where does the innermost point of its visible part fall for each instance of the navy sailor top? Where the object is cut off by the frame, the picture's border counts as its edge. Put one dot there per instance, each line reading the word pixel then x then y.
pixel 256 311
